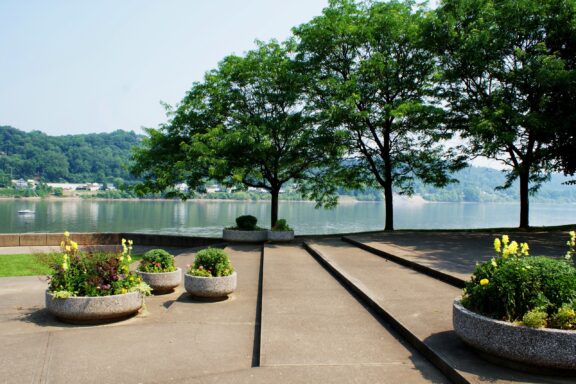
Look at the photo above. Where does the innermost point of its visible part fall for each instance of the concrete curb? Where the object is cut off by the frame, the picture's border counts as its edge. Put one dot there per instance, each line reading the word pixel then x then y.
pixel 451 373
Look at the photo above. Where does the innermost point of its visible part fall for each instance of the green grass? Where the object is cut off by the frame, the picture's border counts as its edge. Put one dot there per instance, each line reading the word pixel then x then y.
pixel 30 264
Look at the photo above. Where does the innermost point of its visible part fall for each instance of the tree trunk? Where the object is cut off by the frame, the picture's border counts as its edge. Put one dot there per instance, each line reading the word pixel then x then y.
pixel 274 216
pixel 524 198
pixel 389 207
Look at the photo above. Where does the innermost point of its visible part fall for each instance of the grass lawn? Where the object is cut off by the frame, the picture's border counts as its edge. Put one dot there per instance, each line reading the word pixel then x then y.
pixel 29 265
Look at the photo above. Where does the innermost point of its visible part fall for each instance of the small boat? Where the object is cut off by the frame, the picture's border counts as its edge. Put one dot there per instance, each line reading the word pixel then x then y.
pixel 26 212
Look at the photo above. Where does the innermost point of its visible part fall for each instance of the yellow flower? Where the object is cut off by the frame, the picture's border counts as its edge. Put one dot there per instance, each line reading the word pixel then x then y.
pixel 505 239
pixel 62 244
pixel 513 248
pixel 128 259
pixel 123 241
pixel 497 245
pixel 66 234
pixel 524 249
pixel 65 266
pixel 130 242
pixel 67 248
pixel 123 290
pixel 121 258
pixel 494 264
pixel 484 282
pixel 74 245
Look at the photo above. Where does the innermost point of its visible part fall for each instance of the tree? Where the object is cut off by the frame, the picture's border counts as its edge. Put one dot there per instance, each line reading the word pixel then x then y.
pixel 245 124
pixel 509 71
pixel 375 79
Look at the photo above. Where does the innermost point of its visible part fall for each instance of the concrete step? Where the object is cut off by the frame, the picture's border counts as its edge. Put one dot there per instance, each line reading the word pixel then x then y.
pixel 310 320
pixel 419 307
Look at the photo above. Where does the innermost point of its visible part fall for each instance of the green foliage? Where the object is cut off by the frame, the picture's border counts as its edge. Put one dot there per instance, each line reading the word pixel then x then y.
pixel 565 318
pixel 373 78
pixel 281 225
pixel 78 158
pixel 511 285
pixel 244 125
pixel 246 223
pixel 93 273
pixel 509 73
pixel 157 260
pixel 535 319
pixel 211 262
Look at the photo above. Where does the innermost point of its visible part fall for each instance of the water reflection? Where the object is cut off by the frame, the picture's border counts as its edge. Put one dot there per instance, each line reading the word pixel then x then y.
pixel 207 218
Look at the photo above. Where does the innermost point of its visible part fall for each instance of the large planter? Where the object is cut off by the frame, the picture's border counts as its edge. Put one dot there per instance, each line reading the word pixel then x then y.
pixel 542 347
pixel 210 287
pixel 236 235
pixel 98 309
pixel 280 236
pixel 162 282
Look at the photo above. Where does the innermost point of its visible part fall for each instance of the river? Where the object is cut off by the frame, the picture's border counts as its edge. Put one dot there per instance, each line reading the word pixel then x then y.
pixel 207 218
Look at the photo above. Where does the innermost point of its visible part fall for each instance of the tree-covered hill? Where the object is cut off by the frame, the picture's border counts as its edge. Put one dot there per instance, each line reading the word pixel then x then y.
pixel 95 157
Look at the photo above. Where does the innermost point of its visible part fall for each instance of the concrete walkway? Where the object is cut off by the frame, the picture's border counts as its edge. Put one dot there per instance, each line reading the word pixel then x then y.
pixel 291 322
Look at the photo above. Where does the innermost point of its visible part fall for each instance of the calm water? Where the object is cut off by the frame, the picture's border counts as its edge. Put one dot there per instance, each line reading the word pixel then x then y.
pixel 207 218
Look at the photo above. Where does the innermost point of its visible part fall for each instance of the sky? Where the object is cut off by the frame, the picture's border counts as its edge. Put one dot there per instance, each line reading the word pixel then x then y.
pixel 84 66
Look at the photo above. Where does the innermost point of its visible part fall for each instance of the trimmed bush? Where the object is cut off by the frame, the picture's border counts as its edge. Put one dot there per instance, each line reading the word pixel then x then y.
pixel 281 225
pixel 246 222
pixel 156 261
pixel 211 262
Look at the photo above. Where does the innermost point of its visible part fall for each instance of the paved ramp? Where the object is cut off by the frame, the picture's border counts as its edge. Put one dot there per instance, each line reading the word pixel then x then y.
pixel 310 320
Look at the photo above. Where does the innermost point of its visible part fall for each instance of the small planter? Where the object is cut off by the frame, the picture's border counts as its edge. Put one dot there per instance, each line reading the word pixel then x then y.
pixel 210 287
pixel 236 235
pixel 280 236
pixel 101 309
pixel 162 282
pixel 542 347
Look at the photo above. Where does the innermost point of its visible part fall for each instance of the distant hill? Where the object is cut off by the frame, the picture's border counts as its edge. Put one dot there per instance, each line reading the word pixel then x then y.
pixel 477 184
pixel 95 157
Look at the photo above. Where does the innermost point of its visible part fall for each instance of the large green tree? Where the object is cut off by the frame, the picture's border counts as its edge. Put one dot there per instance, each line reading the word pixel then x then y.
pixel 509 71
pixel 245 124
pixel 374 78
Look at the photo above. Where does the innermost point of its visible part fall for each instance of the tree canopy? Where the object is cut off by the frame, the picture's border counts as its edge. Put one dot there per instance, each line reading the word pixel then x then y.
pixel 245 124
pixel 374 78
pixel 509 72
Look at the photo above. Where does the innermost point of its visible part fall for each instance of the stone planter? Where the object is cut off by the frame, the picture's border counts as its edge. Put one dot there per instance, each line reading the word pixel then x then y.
pixel 101 309
pixel 236 235
pixel 210 287
pixel 280 236
pixel 542 347
pixel 162 282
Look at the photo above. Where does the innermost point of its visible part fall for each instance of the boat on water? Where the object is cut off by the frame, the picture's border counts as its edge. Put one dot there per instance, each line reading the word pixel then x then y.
pixel 26 212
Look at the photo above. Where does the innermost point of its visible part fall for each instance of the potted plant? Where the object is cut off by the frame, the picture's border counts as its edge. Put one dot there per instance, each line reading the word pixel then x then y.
pixel 281 231
pixel 93 286
pixel 157 269
pixel 245 230
pixel 211 276
pixel 521 308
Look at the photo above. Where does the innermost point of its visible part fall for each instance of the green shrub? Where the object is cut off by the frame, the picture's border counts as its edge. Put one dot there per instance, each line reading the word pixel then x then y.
pixel 565 318
pixel 211 262
pixel 157 260
pixel 246 222
pixel 535 319
pixel 281 225
pixel 513 284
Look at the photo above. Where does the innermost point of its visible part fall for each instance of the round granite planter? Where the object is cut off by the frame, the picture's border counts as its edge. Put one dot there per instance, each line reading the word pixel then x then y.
pixel 210 287
pixel 542 347
pixel 94 310
pixel 162 282
pixel 236 235
pixel 280 236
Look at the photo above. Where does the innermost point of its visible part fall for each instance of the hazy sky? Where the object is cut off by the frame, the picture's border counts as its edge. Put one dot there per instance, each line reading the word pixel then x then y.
pixel 80 66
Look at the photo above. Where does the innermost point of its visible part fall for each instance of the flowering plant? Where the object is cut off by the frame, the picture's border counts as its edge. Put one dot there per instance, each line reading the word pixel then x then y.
pixel 211 262
pixel 93 273
pixel 156 261
pixel 514 286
